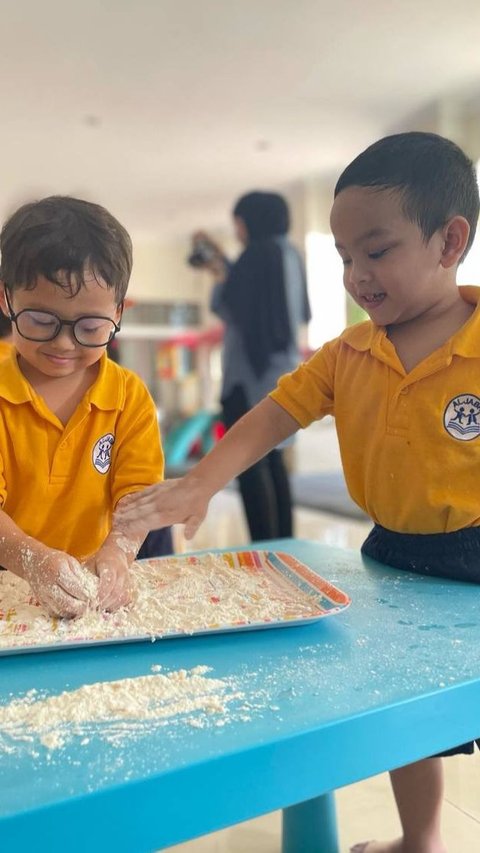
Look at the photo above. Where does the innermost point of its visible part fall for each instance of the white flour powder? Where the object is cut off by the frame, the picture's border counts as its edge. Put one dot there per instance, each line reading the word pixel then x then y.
pixel 115 710
pixel 171 596
pixel 177 595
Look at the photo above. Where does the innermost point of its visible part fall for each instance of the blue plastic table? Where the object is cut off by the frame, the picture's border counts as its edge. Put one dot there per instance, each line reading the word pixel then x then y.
pixel 394 678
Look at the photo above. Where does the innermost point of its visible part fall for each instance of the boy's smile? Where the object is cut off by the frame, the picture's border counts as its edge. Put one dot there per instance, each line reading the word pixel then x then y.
pixel 390 270
pixel 63 355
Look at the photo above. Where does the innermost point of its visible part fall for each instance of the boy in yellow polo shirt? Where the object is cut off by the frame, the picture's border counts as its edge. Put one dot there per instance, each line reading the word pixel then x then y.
pixel 404 388
pixel 77 432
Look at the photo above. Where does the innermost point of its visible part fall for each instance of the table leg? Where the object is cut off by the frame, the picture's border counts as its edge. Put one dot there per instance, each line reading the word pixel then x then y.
pixel 311 827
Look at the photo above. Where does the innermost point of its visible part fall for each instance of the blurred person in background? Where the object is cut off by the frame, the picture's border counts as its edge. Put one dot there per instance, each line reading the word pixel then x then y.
pixel 262 300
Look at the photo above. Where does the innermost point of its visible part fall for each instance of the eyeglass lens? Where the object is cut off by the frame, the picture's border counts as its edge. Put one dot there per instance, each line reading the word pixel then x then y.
pixel 43 326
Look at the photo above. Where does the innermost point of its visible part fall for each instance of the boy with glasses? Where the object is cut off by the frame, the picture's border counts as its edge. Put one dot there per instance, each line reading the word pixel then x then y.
pixel 77 432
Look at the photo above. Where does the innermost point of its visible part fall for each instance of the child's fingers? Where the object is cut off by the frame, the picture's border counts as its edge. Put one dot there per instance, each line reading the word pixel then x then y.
pixel 74 580
pixel 127 499
pixel 191 526
pixel 132 512
pixel 151 496
pixel 119 597
pixel 87 580
pixel 135 505
pixel 149 513
pixel 138 497
pixel 60 604
pixel 106 586
pixel 114 588
pixel 57 585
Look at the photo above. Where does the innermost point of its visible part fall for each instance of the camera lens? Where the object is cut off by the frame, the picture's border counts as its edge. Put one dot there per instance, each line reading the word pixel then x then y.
pixel 203 252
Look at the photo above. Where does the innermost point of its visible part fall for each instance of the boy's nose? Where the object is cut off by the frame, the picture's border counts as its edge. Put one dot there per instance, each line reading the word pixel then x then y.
pixel 358 273
pixel 65 339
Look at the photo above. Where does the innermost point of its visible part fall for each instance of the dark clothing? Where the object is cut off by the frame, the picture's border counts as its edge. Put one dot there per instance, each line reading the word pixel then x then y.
pixel 158 543
pixel 256 297
pixel 264 487
pixel 445 555
pixel 237 356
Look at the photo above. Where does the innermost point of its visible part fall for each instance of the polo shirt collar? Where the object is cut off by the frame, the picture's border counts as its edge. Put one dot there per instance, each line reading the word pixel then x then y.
pixel 362 335
pixel 13 385
pixel 106 393
pixel 465 342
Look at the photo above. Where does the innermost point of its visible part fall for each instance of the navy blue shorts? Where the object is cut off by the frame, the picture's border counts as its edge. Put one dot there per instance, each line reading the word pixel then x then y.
pixel 444 555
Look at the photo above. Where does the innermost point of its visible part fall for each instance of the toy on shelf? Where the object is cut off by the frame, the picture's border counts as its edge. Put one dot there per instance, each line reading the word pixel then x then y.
pixel 179 360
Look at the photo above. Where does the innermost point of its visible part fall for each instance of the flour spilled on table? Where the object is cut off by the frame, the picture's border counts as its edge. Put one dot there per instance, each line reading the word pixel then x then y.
pixel 117 711
pixel 170 596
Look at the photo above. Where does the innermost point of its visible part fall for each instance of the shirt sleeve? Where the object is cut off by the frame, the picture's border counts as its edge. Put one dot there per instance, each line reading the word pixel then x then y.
pixel 307 394
pixel 3 483
pixel 137 458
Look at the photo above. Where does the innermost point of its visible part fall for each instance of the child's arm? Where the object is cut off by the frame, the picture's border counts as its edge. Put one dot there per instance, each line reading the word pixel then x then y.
pixel 186 500
pixel 58 580
pixel 137 461
pixel 113 560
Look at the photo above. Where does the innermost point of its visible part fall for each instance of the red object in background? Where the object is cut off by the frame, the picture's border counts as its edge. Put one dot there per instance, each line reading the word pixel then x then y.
pixel 218 430
pixel 196 448
pixel 194 339
pixel 166 361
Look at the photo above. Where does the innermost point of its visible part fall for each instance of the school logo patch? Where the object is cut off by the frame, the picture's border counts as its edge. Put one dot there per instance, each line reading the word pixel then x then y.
pixel 102 453
pixel 461 418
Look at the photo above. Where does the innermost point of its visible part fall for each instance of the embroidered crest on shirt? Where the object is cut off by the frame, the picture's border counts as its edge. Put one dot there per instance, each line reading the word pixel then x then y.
pixel 102 453
pixel 461 418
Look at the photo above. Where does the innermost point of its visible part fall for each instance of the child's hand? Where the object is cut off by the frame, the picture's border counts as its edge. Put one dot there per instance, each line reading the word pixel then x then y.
pixel 114 588
pixel 125 532
pixel 183 501
pixel 61 584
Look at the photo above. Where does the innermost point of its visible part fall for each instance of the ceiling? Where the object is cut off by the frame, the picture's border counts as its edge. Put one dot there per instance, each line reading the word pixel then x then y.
pixel 166 110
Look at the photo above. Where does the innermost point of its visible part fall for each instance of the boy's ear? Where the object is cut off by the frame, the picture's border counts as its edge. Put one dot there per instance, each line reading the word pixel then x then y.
pixel 3 303
pixel 455 235
pixel 119 312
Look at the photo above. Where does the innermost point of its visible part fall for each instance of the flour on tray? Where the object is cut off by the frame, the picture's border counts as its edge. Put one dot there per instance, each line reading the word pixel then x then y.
pixel 176 595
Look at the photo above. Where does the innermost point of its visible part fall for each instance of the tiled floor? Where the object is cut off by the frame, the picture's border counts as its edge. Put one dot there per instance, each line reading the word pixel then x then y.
pixel 365 810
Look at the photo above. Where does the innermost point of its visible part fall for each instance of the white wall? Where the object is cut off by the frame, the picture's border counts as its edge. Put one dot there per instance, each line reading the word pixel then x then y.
pixel 161 273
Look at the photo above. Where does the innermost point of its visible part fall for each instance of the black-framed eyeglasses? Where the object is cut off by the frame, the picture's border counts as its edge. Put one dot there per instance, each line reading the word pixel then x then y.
pixel 89 331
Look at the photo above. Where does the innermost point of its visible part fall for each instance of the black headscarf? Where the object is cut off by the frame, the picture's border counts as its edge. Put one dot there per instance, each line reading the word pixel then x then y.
pixel 255 291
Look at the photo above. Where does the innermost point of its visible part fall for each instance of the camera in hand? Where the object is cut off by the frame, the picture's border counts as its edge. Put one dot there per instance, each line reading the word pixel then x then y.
pixel 203 252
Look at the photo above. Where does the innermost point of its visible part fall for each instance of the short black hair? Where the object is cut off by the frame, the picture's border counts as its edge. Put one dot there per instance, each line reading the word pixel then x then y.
pixel 62 238
pixel 434 176
pixel 265 214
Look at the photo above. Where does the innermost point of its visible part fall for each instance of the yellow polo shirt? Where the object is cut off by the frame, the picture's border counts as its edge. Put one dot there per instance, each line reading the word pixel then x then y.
pixel 409 442
pixel 60 483
pixel 5 349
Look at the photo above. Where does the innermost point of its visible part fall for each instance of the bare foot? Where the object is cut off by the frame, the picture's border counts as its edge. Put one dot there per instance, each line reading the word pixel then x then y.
pixel 397 846
pixel 378 847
